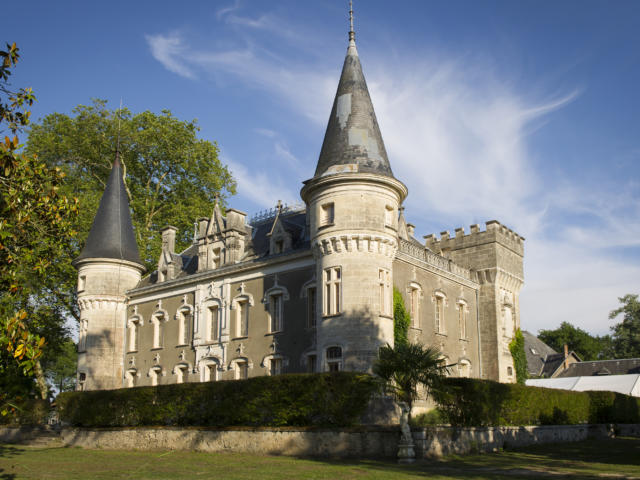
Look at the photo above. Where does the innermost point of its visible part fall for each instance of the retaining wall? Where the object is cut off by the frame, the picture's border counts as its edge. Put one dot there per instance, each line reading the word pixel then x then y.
pixel 372 442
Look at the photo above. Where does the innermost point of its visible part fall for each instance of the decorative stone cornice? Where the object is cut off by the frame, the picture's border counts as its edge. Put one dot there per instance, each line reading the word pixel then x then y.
pixel 102 302
pixel 355 242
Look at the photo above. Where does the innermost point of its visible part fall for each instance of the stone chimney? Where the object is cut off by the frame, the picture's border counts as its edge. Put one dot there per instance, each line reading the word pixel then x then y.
pixel 566 356
pixel 169 239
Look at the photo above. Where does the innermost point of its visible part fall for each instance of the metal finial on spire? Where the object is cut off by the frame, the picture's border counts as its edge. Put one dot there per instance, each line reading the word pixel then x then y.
pixel 352 33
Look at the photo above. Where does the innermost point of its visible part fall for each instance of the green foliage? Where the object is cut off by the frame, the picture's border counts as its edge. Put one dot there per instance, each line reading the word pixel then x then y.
pixel 626 334
pixel 401 319
pixel 588 347
pixel 432 417
pixel 60 368
pixel 516 347
pixel 472 402
pixel 406 366
pixel 35 219
pixel 336 399
pixel 26 411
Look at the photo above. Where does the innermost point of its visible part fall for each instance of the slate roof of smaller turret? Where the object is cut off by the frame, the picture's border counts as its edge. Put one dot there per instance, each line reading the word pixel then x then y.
pixel 352 139
pixel 111 235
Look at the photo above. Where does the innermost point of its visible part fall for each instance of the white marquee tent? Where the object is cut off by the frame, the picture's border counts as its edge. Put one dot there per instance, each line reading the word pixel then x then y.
pixel 628 384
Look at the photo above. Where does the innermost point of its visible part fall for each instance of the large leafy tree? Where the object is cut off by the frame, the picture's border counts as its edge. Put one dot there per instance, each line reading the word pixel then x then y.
pixel 587 346
pixel 35 219
pixel 171 175
pixel 626 334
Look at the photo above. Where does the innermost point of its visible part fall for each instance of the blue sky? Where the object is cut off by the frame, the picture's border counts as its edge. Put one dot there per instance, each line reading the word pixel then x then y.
pixel 526 112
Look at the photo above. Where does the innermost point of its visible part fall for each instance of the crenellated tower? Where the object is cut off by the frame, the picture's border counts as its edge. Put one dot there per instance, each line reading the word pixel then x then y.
pixel 352 203
pixel 108 266
pixel 496 257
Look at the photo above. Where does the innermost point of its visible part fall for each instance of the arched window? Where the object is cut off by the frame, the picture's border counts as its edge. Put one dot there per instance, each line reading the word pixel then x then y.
pixel 154 374
pixel 274 298
pixel 464 368
pixel 131 377
pixel 157 320
pixel 134 333
pixel 184 317
pixel 209 369
pixel 334 359
pixel 181 372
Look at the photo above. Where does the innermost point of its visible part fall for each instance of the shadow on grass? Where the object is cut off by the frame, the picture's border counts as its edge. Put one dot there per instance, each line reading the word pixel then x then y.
pixel 589 460
pixel 7 451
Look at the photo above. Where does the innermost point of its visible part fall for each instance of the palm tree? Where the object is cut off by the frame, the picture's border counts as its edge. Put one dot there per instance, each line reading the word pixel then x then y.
pixel 403 368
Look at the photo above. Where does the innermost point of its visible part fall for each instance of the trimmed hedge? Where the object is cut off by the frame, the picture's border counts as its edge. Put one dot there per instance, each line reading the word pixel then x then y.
pixel 472 402
pixel 336 399
pixel 26 411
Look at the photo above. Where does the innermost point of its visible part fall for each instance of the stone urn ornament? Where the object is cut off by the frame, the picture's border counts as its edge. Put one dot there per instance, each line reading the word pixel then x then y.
pixel 406 452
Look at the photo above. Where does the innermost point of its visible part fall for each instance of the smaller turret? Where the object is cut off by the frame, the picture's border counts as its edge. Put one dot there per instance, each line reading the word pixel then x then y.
pixel 108 266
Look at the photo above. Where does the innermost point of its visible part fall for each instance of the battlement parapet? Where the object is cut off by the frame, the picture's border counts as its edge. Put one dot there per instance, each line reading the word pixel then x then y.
pixel 434 260
pixel 494 232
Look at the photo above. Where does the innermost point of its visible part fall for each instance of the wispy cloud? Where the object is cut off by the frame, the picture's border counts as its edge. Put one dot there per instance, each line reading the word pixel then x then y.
pixel 169 50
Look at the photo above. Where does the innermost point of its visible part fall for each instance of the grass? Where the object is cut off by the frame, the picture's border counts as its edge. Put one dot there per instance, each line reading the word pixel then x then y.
pixel 614 458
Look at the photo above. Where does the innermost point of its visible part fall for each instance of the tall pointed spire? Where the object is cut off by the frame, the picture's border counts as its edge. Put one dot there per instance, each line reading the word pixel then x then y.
pixel 111 235
pixel 353 141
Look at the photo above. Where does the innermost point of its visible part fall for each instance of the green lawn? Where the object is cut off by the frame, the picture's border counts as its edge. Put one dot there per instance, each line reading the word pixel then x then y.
pixel 616 458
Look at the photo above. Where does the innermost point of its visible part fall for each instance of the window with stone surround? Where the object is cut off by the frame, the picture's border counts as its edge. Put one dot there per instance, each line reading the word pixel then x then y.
pixel 134 334
pixel 439 302
pixel 415 292
pixel 156 321
pixel 154 374
pixel 132 376
pixel 181 372
pixel 462 318
pixel 334 359
pixel 327 214
pixel 311 363
pixel 184 317
pixel 311 307
pixel 464 368
pixel 242 369
pixel 212 324
pixel 275 312
pixel 242 318
pixel 275 366
pixel 332 279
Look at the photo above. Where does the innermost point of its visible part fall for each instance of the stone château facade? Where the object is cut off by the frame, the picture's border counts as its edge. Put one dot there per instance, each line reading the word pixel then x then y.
pixel 299 289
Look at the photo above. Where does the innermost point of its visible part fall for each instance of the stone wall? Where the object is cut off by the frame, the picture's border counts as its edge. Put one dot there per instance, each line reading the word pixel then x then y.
pixel 360 442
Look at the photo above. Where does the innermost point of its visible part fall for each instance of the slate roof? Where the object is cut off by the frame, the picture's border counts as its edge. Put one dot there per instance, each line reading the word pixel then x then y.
pixel 256 247
pixel 537 353
pixel 111 235
pixel 621 366
pixel 353 136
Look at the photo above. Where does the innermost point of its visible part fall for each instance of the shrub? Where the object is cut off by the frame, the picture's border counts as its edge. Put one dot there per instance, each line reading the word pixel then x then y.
pixel 472 402
pixel 336 399
pixel 401 319
pixel 26 411
pixel 516 347
pixel 432 417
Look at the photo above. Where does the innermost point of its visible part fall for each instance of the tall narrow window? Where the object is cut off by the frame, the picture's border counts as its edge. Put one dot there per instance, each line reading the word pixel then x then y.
pixel 212 325
pixel 311 363
pixel 388 216
pixel 334 359
pixel 157 331
pixel 134 333
pixel 332 290
pixel 311 306
pixel 327 214
pixel 210 371
pixel 415 306
pixel 242 370
pixel 155 373
pixel 462 319
pixel 82 281
pixel 275 312
pixel 439 314
pixel 181 373
pixel 384 278
pixel 275 366
pixel 131 377
pixel 184 320
pixel 242 318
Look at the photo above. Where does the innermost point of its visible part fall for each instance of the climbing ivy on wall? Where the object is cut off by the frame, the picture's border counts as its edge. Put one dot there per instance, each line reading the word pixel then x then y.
pixel 401 319
pixel 519 358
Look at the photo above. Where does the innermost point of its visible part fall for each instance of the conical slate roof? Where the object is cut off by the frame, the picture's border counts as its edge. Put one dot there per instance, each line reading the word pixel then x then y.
pixel 353 137
pixel 111 234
